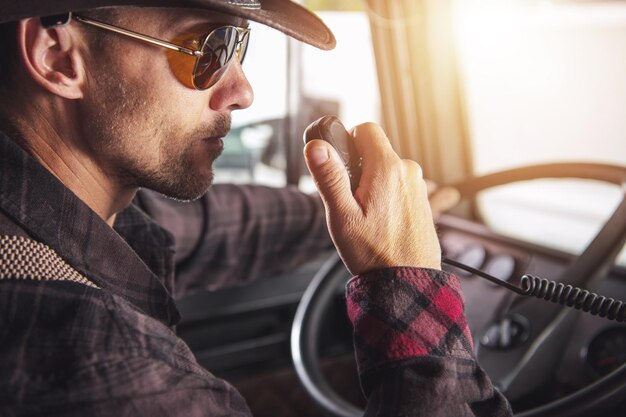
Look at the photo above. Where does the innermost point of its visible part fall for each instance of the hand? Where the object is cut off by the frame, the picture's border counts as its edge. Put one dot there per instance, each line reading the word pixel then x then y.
pixel 388 221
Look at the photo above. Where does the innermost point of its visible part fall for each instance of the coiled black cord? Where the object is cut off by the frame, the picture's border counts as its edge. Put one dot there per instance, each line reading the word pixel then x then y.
pixel 580 299
pixel 559 293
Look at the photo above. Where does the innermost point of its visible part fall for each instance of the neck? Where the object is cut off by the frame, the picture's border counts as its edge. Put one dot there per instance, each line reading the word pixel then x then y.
pixel 54 147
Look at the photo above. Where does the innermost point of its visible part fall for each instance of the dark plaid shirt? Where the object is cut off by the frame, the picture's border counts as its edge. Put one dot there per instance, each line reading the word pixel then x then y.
pixel 238 233
pixel 69 349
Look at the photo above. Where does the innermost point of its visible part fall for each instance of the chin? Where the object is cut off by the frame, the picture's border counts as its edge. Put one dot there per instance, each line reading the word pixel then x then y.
pixel 186 188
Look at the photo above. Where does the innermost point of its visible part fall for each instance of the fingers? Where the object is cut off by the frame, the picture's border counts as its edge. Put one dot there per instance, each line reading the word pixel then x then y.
pixel 388 221
pixel 371 142
pixel 380 164
pixel 376 150
pixel 329 175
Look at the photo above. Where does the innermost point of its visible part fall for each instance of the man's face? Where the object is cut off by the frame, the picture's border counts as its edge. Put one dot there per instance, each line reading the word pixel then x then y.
pixel 140 123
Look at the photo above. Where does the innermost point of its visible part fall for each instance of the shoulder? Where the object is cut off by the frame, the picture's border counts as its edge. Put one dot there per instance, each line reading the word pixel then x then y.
pixel 77 322
pixel 9 227
pixel 64 316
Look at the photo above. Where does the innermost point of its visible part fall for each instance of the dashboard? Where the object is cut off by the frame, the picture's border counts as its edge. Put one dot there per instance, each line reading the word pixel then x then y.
pixel 595 346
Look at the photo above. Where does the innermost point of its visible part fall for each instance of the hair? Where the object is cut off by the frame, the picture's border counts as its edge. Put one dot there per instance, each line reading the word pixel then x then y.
pixel 110 15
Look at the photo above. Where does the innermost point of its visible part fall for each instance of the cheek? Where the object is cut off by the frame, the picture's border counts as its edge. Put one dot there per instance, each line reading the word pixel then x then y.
pixel 179 104
pixel 167 117
pixel 176 138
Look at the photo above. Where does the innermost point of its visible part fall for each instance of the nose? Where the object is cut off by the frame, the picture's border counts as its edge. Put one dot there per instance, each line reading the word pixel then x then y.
pixel 232 91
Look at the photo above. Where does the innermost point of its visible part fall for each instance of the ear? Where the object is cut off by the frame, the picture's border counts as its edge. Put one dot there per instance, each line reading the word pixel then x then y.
pixel 52 58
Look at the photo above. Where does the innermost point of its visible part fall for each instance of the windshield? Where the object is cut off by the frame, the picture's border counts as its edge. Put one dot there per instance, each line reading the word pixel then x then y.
pixel 544 82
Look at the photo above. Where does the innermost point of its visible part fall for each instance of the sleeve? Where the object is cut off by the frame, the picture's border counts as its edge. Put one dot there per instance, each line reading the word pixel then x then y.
pixel 414 349
pixel 238 233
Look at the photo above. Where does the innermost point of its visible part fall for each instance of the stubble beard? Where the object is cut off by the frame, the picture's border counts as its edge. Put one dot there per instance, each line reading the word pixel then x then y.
pixel 123 120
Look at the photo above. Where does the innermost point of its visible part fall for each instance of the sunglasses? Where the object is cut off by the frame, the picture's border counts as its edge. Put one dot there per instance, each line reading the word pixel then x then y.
pixel 214 53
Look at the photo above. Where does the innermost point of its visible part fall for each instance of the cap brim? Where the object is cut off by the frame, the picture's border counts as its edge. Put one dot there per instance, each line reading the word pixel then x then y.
pixel 283 15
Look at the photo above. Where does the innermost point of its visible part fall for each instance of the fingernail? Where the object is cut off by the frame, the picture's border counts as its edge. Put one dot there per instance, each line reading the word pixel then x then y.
pixel 318 155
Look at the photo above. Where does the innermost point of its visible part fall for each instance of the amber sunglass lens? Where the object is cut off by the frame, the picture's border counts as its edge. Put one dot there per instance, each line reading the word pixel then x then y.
pixel 218 49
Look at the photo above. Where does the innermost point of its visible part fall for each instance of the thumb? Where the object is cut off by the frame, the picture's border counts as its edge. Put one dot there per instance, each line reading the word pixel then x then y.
pixel 329 174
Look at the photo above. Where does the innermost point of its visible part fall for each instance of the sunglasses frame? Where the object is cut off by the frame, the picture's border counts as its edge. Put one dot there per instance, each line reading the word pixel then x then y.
pixel 242 33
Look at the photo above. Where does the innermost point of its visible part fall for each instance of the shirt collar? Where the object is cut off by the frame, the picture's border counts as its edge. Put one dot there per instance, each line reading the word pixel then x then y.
pixel 133 260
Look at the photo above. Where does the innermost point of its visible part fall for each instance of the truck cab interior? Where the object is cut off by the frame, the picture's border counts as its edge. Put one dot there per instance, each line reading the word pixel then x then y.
pixel 521 104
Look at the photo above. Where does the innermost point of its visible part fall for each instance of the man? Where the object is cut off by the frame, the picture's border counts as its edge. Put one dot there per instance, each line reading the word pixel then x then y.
pixel 99 102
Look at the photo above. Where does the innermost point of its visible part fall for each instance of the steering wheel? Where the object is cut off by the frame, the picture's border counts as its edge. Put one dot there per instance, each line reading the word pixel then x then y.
pixel 516 371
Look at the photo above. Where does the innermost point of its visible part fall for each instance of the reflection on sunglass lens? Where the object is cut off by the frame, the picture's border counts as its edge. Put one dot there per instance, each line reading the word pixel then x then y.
pixel 242 47
pixel 218 49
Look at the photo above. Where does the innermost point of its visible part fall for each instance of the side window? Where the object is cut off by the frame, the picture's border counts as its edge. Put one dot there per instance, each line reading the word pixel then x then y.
pixel 295 84
pixel 345 78
pixel 254 150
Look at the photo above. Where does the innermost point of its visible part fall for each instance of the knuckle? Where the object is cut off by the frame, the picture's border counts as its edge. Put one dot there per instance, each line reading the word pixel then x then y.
pixel 414 168
pixel 412 175
pixel 389 168
pixel 396 163
pixel 371 132
pixel 369 127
